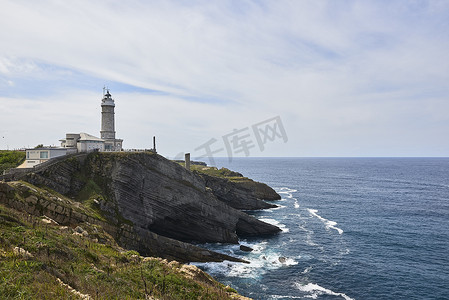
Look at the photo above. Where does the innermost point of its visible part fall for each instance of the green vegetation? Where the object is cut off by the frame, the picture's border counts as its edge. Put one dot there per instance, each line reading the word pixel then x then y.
pixel 26 189
pixel 90 196
pixel 221 173
pixel 93 192
pixel 10 159
pixel 44 261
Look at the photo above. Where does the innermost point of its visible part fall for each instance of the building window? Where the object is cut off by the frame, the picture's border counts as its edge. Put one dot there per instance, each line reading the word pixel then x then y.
pixel 28 155
pixel 44 154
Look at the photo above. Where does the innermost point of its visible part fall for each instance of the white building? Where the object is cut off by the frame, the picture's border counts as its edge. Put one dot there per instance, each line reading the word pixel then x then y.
pixel 88 143
pixel 39 155
pixel 82 142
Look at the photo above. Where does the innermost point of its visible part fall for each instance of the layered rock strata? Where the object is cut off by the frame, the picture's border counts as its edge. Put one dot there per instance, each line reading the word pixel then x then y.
pixel 243 194
pixel 157 198
pixel 63 211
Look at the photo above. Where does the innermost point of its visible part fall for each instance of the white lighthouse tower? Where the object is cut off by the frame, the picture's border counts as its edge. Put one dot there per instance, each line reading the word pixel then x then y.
pixel 108 124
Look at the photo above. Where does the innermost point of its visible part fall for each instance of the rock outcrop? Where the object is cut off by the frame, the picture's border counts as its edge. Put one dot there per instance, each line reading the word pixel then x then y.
pixel 244 194
pixel 155 196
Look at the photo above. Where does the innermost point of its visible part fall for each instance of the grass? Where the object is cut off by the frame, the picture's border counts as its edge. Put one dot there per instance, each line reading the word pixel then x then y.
pixel 25 189
pixel 102 270
pixel 221 173
pixel 91 195
pixel 10 159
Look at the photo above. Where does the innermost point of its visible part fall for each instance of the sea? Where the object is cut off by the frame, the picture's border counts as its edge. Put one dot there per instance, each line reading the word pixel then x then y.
pixel 352 228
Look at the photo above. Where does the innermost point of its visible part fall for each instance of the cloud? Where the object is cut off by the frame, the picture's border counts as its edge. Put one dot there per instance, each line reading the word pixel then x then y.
pixel 347 78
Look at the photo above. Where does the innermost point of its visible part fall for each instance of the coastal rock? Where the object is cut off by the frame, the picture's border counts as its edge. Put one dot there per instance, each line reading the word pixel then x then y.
pixel 153 195
pixel 243 194
pixel 246 248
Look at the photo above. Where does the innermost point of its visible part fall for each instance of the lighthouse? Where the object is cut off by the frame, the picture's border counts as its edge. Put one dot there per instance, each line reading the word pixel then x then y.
pixel 107 132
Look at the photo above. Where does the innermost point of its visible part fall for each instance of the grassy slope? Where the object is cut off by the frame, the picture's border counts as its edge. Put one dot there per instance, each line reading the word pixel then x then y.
pixel 10 159
pixel 93 265
pixel 221 173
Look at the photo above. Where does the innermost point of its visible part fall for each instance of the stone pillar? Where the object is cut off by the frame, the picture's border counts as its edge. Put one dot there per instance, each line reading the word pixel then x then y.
pixel 187 160
pixel 154 144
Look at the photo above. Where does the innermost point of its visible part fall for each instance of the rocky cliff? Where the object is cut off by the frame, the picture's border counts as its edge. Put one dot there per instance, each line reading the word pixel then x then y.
pixel 38 202
pixel 152 195
pixel 241 193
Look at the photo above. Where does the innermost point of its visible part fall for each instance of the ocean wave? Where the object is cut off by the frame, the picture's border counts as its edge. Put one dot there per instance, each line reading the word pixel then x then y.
pixel 260 260
pixel 285 190
pixel 257 266
pixel 309 241
pixel 296 203
pixel 285 297
pixel 288 192
pixel 305 229
pixel 231 269
pixel 316 290
pixel 275 260
pixel 309 232
pixel 307 270
pixel 328 223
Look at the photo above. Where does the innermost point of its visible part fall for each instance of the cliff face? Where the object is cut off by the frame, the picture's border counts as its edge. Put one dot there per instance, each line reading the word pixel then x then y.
pixel 160 195
pixel 152 193
pixel 243 194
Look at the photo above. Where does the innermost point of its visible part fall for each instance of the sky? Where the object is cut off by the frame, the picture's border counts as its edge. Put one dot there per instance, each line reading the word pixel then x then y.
pixel 235 78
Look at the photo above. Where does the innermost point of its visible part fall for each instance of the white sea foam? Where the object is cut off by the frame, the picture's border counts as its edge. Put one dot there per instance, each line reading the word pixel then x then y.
pixel 305 229
pixel 285 297
pixel 260 260
pixel 345 252
pixel 328 223
pixel 288 192
pixel 232 269
pixel 316 290
pixel 309 240
pixel 307 270
pixel 285 190
pixel 274 260
pixel 258 265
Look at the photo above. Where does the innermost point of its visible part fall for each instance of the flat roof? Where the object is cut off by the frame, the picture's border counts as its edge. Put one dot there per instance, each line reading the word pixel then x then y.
pixel 47 148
